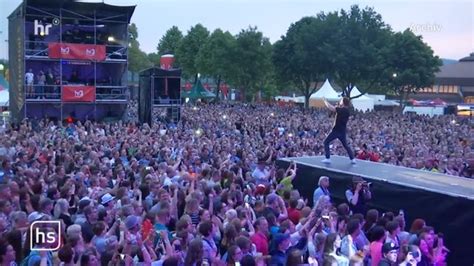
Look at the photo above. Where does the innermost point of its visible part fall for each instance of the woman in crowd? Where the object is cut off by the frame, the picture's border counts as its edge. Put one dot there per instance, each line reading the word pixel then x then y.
pixel 331 253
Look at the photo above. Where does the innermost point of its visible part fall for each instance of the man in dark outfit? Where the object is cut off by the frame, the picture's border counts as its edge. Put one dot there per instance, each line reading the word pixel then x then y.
pixel 339 129
pixel 390 254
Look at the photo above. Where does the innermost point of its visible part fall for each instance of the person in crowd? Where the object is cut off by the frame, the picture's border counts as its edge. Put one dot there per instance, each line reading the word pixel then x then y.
pixel 358 195
pixel 41 83
pixel 390 254
pixel 410 255
pixel 348 246
pixel 393 230
pixel 260 238
pixel 331 253
pixel 322 189
pixel 29 80
pixel 281 244
pixel 7 253
pixel 235 255
pixel 378 239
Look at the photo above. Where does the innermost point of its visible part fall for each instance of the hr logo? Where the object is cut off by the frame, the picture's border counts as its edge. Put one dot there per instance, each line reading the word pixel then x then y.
pixel 78 93
pixel 65 50
pixel 43 29
pixel 45 235
pixel 90 52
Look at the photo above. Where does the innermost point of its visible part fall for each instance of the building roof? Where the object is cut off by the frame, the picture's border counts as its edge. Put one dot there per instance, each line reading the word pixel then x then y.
pixel 469 58
pixel 462 69
pixel 447 97
pixel 100 10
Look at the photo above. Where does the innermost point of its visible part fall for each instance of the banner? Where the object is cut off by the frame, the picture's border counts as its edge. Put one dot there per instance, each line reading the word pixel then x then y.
pixel 78 94
pixel 76 51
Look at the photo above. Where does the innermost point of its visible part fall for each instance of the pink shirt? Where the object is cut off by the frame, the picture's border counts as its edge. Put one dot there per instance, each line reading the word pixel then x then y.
pixel 376 252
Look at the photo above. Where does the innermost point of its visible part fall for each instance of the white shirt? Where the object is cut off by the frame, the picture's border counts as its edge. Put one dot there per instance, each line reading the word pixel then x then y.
pixel 29 77
pixel 260 175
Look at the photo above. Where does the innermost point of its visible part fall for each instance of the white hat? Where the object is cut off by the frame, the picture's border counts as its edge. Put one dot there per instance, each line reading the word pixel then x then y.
pixel 106 198
pixel 35 216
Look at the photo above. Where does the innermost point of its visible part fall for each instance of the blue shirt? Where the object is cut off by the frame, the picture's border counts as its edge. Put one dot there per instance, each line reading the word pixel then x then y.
pixel 318 193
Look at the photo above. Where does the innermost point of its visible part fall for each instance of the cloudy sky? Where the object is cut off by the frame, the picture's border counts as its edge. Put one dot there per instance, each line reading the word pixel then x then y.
pixel 446 25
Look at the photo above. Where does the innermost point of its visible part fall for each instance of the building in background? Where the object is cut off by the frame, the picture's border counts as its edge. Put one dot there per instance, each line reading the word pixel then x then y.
pixel 454 83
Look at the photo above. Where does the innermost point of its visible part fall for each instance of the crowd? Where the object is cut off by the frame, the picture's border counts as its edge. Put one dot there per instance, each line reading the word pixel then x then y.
pixel 206 191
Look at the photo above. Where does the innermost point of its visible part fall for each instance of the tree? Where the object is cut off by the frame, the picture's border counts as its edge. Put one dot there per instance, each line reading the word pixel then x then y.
pixel 251 61
pixel 410 65
pixel 137 59
pixel 303 56
pixel 170 42
pixel 189 48
pixel 154 58
pixel 360 40
pixel 216 57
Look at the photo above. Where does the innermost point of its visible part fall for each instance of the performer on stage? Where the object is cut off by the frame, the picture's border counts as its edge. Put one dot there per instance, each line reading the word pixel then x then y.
pixel 339 129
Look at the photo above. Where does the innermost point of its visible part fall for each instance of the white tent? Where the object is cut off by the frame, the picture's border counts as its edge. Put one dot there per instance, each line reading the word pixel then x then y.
pixel 362 103
pixel 4 98
pixel 326 91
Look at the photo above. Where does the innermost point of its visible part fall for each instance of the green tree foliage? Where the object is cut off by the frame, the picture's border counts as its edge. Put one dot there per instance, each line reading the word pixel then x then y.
pixel 137 59
pixel 304 55
pixel 252 61
pixel 361 38
pixel 154 58
pixel 410 64
pixel 216 57
pixel 189 48
pixel 170 42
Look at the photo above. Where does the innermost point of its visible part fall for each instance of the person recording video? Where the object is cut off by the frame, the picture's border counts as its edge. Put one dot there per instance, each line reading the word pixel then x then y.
pixel 358 195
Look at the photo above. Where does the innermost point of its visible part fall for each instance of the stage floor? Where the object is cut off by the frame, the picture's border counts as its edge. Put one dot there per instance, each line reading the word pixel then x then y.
pixel 419 179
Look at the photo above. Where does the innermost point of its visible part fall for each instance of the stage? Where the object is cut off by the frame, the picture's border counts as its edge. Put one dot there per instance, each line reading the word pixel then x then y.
pixel 445 202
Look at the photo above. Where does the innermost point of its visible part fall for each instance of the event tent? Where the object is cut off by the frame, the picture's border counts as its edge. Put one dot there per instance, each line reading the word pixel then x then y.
pixel 197 92
pixel 326 91
pixel 362 103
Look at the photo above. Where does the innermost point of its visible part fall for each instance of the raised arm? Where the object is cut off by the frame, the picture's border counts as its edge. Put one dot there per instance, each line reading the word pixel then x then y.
pixel 329 106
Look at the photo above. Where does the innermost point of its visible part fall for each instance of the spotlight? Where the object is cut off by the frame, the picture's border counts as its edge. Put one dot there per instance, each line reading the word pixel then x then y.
pixel 272 114
pixel 224 117
pixel 111 39
pixel 290 135
pixel 195 108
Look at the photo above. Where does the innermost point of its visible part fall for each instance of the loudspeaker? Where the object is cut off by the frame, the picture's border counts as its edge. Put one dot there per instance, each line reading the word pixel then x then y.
pixel 166 88
pixel 158 87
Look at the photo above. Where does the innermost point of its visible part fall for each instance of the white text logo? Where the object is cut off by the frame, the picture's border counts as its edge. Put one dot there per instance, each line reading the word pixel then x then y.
pixel 43 29
pixel 65 50
pixel 79 93
pixel 45 235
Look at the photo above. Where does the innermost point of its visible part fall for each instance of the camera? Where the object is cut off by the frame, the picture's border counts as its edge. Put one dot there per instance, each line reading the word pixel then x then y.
pixel 366 184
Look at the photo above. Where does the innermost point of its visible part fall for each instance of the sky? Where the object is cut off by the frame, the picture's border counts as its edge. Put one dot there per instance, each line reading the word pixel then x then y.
pixel 446 25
